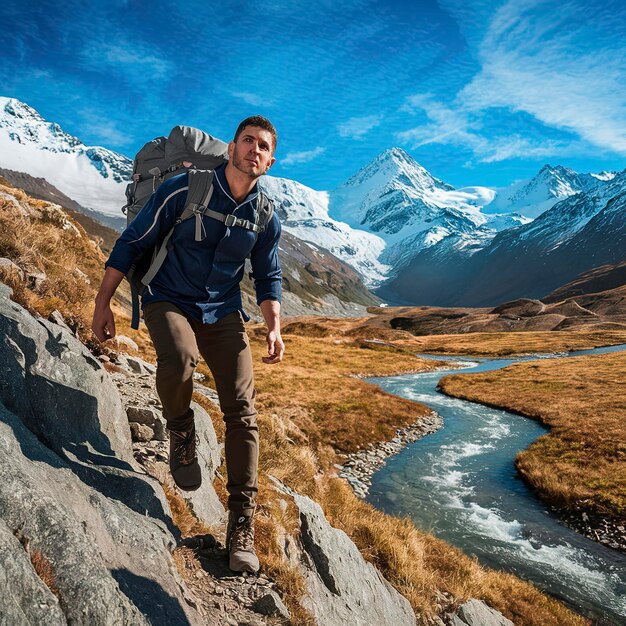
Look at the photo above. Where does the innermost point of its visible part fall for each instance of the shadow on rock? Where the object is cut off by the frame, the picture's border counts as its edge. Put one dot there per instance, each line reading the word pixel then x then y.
pixel 150 598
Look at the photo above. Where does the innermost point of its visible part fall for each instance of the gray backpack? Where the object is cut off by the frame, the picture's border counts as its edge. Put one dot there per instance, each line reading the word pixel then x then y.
pixel 189 150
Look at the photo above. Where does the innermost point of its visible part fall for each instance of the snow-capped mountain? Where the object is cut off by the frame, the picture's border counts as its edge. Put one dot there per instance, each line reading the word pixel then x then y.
pixel 580 232
pixel 533 197
pixel 93 176
pixel 399 200
pixel 304 213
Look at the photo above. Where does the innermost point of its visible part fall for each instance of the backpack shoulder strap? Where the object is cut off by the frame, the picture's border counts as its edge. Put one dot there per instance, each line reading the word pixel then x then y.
pixel 265 210
pixel 198 195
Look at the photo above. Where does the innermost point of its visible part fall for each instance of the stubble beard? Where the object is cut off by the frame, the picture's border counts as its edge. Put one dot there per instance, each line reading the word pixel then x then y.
pixel 240 164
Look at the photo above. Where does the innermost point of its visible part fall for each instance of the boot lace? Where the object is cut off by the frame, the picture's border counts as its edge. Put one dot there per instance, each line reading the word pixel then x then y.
pixel 242 536
pixel 185 443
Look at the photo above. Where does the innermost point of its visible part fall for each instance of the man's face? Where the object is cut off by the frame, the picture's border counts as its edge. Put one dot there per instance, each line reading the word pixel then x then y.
pixel 252 154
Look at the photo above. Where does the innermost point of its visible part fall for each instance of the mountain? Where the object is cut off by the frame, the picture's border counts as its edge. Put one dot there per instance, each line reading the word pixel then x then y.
pixel 409 235
pixel 603 278
pixel 304 214
pixel 93 181
pixel 550 185
pixel 93 176
pixel 580 232
pixel 399 200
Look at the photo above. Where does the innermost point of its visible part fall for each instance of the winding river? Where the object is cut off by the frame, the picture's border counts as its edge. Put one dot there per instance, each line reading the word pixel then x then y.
pixel 461 485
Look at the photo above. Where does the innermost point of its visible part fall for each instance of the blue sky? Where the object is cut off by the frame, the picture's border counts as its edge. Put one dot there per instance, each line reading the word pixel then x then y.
pixel 480 93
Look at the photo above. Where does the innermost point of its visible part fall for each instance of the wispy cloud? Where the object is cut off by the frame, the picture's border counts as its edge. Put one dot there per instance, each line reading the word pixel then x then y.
pixel 548 61
pixel 358 127
pixel 302 157
pixel 138 62
pixel 459 126
pixel 252 99
pixel 106 131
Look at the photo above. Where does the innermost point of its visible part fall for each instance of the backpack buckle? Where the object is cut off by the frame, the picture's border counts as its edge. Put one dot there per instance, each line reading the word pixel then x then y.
pixel 230 220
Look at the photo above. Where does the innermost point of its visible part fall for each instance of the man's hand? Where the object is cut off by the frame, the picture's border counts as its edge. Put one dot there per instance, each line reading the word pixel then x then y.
pixel 103 324
pixel 275 347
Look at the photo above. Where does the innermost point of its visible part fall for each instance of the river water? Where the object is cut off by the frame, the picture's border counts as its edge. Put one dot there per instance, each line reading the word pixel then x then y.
pixel 460 484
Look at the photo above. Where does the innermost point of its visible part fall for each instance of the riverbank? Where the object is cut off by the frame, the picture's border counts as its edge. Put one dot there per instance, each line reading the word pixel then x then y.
pixel 579 467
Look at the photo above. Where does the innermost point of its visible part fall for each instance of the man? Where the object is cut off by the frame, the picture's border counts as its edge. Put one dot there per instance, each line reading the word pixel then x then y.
pixel 194 304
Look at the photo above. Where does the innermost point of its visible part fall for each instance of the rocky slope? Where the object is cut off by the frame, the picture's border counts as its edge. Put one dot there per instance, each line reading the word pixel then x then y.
pixel 74 498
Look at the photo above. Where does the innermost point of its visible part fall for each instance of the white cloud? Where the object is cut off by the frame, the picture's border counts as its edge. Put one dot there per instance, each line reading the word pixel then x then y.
pixel 137 62
pixel 458 126
pixel 252 99
pixel 358 127
pixel 302 157
pixel 548 61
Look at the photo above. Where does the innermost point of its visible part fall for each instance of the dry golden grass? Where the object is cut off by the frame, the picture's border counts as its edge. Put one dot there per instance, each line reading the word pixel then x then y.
pixel 514 343
pixel 44 570
pixel 326 405
pixel 40 244
pixel 581 463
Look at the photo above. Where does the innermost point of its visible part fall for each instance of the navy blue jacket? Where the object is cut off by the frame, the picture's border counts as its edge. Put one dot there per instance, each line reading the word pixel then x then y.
pixel 202 277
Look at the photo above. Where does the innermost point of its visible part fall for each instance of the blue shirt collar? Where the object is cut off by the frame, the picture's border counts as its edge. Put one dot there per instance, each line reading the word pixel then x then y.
pixel 220 172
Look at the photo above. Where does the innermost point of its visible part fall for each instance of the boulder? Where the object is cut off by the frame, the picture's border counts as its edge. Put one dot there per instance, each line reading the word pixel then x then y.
pixel 139 366
pixel 66 398
pixel 109 564
pixel 141 432
pixel 271 604
pixel 477 613
pixel 142 415
pixel 122 341
pixel 342 587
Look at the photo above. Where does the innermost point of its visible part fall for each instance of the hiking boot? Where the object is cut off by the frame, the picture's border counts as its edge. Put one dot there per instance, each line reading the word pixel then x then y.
pixel 240 543
pixel 184 460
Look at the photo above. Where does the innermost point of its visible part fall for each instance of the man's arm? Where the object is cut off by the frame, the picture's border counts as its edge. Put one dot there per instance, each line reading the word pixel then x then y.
pixel 267 276
pixel 155 218
pixel 103 324
pixel 275 344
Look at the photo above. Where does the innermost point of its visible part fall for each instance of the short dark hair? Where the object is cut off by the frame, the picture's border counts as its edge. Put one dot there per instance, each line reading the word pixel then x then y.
pixel 261 122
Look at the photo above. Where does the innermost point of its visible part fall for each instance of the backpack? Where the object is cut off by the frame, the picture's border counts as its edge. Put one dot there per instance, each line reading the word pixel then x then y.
pixel 189 150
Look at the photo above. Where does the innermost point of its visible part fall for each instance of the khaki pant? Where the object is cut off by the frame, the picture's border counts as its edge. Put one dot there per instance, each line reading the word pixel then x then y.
pixel 225 348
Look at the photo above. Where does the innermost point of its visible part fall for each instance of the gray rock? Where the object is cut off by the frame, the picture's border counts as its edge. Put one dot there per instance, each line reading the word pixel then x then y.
pixel 160 430
pixel 477 613
pixel 58 388
pixel 110 563
pixel 122 341
pixel 343 588
pixel 63 395
pixel 271 604
pixel 139 366
pixel 141 432
pixel 29 601
pixel 58 318
pixel 142 415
